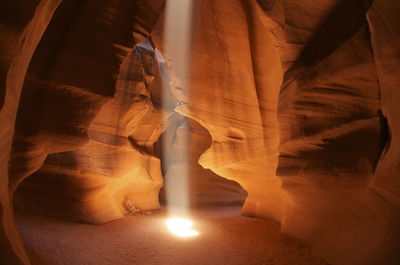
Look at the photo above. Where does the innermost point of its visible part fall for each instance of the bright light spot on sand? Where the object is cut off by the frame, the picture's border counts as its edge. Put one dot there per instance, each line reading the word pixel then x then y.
pixel 181 227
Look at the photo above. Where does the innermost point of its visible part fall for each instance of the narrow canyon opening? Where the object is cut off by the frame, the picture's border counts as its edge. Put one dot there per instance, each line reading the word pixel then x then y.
pixel 271 126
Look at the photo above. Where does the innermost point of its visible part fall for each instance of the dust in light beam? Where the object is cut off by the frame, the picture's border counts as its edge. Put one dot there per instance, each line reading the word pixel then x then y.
pixel 177 32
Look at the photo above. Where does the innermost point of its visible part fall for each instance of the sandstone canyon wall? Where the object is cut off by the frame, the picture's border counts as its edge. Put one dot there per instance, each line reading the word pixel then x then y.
pixel 22 26
pixel 294 100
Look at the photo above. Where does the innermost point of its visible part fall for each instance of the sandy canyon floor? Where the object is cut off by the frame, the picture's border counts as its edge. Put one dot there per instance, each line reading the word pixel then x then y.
pixel 225 238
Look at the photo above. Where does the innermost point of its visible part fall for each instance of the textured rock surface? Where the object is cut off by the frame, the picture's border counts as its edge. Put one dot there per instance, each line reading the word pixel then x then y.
pixel 332 133
pixel 119 164
pixel 93 182
pixel 72 73
pixel 310 64
pixel 21 27
pixel 205 187
pixel 296 101
pixel 235 105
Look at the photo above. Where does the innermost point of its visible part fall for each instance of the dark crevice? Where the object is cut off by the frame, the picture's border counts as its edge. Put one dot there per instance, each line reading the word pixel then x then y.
pixel 338 27
pixel 384 138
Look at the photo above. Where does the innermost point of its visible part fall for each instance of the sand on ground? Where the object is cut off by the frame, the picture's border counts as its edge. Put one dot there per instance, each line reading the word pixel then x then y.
pixel 225 238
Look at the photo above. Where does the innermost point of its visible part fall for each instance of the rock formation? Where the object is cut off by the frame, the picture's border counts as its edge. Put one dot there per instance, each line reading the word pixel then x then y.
pixel 294 100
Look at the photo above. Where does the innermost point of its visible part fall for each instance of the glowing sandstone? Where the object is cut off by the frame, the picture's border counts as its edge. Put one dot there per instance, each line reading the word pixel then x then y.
pixel 298 97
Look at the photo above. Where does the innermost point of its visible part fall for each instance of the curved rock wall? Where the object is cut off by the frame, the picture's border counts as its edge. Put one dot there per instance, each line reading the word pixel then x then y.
pixel 234 102
pixel 332 132
pixel 384 20
pixel 95 182
pixel 294 100
pixel 22 25
pixel 115 170
pixel 66 66
pixel 291 95
pixel 204 186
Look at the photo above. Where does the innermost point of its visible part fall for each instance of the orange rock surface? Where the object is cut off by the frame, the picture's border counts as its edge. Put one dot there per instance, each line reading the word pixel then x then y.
pixel 296 101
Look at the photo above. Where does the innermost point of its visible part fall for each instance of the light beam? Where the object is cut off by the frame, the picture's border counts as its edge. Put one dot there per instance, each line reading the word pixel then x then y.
pixel 177 32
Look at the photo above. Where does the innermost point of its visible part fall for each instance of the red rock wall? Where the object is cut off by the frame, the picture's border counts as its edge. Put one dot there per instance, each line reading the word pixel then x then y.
pixel 332 132
pixel 291 95
pixel 66 69
pixel 93 182
pixel 204 186
pixel 294 100
pixel 384 24
pixel 237 104
pixel 22 25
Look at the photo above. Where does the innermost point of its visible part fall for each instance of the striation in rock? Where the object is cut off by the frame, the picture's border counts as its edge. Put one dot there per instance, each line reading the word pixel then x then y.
pixel 296 102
